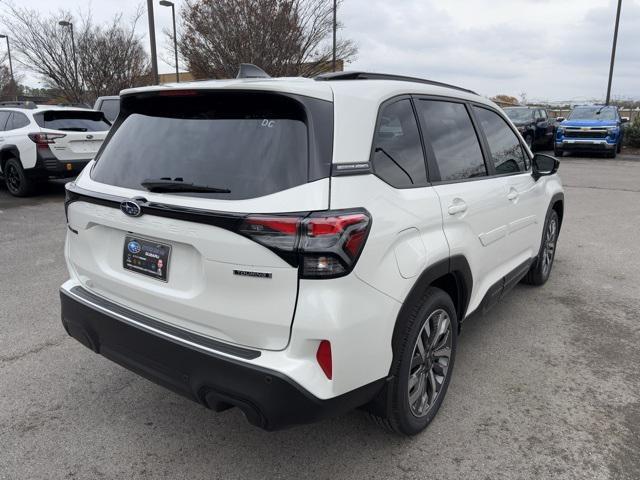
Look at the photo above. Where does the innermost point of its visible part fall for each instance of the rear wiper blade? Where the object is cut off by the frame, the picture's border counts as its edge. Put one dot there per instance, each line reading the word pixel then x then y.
pixel 160 185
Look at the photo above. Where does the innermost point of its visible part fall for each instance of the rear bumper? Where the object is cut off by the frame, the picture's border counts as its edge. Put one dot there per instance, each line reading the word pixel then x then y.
pixel 268 398
pixel 48 165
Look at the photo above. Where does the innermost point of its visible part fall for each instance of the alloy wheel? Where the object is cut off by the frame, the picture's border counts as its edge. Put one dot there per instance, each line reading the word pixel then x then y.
pixel 549 249
pixel 429 362
pixel 13 178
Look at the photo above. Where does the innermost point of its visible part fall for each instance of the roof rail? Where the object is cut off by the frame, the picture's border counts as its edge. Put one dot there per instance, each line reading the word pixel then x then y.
pixel 384 76
pixel 19 104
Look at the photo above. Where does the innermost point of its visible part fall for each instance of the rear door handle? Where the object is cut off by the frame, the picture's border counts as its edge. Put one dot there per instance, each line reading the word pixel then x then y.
pixel 512 195
pixel 457 207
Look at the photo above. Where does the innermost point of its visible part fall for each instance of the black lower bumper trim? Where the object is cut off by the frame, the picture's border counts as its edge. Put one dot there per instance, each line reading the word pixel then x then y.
pixel 269 399
pixel 48 165
pixel 184 335
pixel 587 147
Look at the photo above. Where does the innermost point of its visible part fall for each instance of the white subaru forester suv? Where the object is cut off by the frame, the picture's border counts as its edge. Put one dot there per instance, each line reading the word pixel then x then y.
pixel 297 247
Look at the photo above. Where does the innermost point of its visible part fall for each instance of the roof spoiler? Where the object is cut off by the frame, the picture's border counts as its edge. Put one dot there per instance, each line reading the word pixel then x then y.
pixel 248 70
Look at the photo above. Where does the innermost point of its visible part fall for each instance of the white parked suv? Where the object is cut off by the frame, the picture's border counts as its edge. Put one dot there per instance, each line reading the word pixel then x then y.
pixel 46 141
pixel 300 247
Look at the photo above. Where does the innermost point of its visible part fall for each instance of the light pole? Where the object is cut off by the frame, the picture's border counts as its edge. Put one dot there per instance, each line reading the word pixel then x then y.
pixel 167 3
pixel 13 81
pixel 335 26
pixel 64 23
pixel 613 52
pixel 152 41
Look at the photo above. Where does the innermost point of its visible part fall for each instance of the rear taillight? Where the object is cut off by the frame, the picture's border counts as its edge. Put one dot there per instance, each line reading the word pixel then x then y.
pixel 326 244
pixel 42 140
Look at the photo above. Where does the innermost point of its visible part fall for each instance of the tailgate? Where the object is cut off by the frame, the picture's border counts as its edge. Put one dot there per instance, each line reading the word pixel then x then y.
pixel 77 145
pixel 218 283
pixel 185 257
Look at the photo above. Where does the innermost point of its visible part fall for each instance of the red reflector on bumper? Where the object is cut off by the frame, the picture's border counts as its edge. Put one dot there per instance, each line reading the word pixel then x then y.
pixel 323 355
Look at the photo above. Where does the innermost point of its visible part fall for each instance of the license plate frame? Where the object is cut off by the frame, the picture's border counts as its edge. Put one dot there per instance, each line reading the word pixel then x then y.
pixel 147 257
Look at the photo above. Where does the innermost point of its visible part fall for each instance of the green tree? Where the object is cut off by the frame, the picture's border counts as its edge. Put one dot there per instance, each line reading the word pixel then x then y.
pixel 632 133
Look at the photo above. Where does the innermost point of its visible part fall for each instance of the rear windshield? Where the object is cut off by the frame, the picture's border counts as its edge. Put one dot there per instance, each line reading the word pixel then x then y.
pixel 71 120
pixel 251 144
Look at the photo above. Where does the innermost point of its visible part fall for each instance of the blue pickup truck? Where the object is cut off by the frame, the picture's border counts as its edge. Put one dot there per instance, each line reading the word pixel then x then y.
pixel 590 128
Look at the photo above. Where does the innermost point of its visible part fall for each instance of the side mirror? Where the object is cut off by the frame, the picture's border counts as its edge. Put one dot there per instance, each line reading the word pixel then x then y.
pixel 543 165
pixel 625 119
pixel 560 119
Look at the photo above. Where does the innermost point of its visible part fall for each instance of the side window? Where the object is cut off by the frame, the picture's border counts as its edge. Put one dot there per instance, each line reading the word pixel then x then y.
pixel 4 116
pixel 543 115
pixel 398 158
pixel 449 131
pixel 506 151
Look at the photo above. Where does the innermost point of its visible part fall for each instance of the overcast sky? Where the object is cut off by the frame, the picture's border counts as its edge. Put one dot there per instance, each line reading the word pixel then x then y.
pixel 549 49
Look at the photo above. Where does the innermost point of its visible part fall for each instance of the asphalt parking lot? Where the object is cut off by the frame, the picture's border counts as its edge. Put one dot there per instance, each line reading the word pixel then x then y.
pixel 546 385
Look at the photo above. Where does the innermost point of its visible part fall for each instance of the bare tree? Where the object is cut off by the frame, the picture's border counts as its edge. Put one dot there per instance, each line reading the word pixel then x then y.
pixel 109 58
pixel 112 58
pixel 284 37
pixel 9 87
pixel 5 83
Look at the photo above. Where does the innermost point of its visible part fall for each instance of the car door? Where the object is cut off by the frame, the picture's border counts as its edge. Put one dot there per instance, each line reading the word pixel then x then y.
pixel 523 207
pixel 472 201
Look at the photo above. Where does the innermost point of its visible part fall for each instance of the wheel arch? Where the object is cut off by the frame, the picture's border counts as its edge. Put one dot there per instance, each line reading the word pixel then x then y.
pixel 7 152
pixel 453 275
pixel 557 204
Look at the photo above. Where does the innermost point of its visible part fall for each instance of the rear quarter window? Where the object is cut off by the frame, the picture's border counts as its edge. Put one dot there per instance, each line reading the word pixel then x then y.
pixel 398 158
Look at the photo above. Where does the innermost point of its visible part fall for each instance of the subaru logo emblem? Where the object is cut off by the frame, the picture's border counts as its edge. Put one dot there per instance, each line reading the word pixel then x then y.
pixel 131 208
pixel 134 247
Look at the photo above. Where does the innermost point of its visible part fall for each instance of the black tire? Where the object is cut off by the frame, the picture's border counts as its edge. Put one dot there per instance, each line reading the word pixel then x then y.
pixel 17 182
pixel 430 373
pixel 558 153
pixel 619 147
pixel 539 272
pixel 612 153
